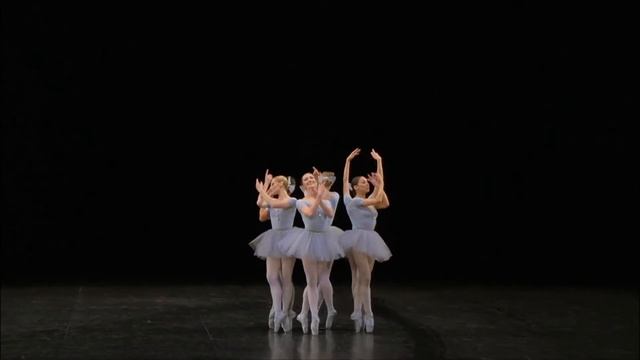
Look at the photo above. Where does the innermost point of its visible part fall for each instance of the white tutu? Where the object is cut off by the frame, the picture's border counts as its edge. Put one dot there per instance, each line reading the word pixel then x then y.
pixel 267 244
pixel 365 241
pixel 320 246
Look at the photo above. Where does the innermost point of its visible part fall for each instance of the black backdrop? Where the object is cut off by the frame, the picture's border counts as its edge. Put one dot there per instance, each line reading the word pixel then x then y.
pixel 132 136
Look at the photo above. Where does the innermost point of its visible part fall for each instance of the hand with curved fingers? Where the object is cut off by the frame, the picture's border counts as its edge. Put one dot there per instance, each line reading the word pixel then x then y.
pixel 372 179
pixel 346 186
pixel 263 214
pixel 259 186
pixel 353 154
pixel 375 155
pixel 378 160
pixel 267 179
pixel 376 179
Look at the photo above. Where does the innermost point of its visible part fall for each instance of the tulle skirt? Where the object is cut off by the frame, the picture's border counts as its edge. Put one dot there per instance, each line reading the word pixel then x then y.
pixel 365 241
pixel 267 244
pixel 320 246
pixel 336 230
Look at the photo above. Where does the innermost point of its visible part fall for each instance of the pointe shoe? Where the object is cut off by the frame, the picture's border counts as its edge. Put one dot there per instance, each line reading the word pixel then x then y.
pixel 278 320
pixel 303 321
pixel 287 324
pixel 357 321
pixel 368 323
pixel 331 314
pixel 272 313
pixel 315 325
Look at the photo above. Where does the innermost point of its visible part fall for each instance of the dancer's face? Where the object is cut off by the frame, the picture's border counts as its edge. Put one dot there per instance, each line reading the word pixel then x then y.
pixel 362 186
pixel 278 184
pixel 309 182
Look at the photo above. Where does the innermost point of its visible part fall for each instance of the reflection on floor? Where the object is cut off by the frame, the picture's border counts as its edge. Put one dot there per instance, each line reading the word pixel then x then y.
pixel 230 322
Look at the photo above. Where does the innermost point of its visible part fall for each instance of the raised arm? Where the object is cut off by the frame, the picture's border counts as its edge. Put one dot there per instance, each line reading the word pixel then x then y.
pixel 263 213
pixel 376 198
pixel 385 200
pixel 273 202
pixel 322 191
pixel 378 159
pixel 317 202
pixel 267 183
pixel 316 173
pixel 319 179
pixel 345 174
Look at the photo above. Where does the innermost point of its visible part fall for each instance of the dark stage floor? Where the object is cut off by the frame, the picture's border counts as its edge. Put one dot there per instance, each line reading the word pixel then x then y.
pixel 421 322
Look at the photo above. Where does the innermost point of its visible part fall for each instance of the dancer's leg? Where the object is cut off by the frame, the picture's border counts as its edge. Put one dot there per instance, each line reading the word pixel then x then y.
pixel 311 270
pixel 326 289
pixel 273 278
pixel 288 291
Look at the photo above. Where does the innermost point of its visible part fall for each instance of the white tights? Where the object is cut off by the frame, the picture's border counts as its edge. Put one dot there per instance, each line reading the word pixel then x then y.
pixel 325 289
pixel 279 277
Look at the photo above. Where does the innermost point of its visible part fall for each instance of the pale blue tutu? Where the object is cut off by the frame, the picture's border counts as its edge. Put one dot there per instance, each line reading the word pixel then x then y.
pixel 365 241
pixel 267 244
pixel 317 245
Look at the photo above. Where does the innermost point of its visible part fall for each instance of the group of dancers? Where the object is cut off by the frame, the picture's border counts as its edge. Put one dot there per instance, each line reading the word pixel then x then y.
pixel 319 243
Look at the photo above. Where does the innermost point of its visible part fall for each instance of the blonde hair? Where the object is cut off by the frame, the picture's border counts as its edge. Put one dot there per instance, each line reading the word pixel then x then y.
pixel 281 179
pixel 327 174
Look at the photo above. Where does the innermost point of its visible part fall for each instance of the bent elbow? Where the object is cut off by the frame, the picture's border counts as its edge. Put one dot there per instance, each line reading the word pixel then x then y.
pixel 383 205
